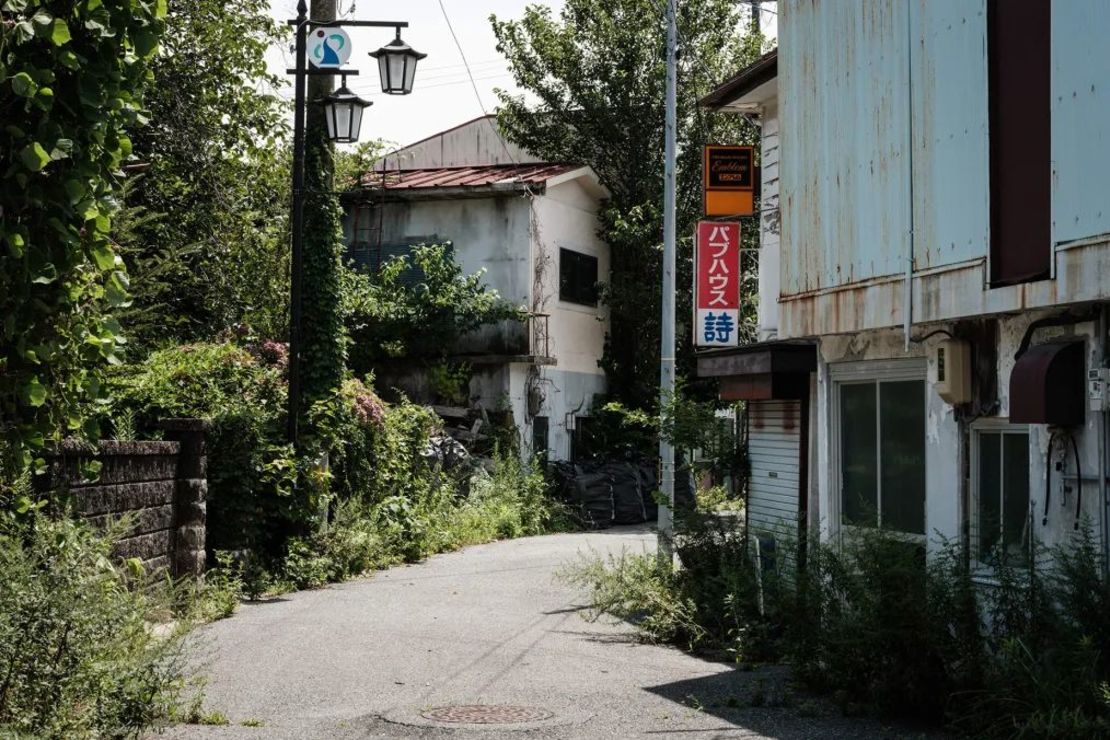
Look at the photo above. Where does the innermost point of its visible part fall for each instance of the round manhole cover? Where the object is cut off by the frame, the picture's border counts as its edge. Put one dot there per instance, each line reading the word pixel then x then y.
pixel 486 714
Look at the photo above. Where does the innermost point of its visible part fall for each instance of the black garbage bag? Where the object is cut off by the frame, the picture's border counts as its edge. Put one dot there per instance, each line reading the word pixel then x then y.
pixel 649 484
pixel 594 495
pixel 628 500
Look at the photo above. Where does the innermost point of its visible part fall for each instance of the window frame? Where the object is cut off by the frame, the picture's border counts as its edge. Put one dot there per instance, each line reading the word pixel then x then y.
pixel 593 288
pixel 859 373
pixel 996 425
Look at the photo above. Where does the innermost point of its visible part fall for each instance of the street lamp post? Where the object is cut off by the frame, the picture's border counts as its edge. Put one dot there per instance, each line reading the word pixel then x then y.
pixel 343 111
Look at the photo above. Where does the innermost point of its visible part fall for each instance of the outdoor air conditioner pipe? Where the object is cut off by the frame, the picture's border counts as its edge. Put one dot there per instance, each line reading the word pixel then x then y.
pixel 1104 512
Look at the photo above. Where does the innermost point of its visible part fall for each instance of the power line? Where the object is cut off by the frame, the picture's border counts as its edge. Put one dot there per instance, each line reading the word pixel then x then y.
pixel 474 84
pixel 370 86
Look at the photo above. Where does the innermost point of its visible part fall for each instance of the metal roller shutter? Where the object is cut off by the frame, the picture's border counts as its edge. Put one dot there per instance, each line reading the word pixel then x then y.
pixel 774 438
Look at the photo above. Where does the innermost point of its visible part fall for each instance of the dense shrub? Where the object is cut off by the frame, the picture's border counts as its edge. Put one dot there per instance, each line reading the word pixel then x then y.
pixel 367 491
pixel 77 655
pixel 251 471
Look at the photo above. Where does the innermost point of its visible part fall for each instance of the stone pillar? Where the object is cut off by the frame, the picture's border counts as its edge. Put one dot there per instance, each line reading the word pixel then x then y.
pixel 191 490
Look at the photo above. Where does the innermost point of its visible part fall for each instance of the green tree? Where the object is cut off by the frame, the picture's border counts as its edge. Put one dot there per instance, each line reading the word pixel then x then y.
pixel 72 77
pixel 596 77
pixel 390 314
pixel 205 236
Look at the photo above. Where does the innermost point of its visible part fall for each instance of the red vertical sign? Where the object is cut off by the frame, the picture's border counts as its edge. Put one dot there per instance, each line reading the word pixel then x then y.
pixel 717 284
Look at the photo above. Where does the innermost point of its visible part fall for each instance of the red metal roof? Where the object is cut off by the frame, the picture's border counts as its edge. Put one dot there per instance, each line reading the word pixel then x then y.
pixel 465 177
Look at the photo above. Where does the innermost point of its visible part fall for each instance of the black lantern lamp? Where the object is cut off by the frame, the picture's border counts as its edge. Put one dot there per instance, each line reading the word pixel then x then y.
pixel 343 112
pixel 397 64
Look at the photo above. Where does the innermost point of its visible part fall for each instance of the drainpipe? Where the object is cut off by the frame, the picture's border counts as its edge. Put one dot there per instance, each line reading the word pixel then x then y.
pixel 907 293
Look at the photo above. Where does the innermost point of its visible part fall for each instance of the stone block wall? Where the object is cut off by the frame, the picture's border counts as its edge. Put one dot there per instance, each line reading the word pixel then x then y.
pixel 159 486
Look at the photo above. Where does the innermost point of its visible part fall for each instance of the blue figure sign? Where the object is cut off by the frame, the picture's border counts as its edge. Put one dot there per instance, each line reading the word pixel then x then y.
pixel 329 48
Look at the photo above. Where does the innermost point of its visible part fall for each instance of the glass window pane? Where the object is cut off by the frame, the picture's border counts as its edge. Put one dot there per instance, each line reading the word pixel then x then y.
pixel 902 424
pixel 1015 496
pixel 858 452
pixel 989 512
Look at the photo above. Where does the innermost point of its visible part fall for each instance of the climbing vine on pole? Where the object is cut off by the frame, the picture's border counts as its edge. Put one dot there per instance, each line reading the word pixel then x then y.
pixel 323 337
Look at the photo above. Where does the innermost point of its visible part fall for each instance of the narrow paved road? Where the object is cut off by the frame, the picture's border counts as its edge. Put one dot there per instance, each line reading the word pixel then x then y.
pixel 486 626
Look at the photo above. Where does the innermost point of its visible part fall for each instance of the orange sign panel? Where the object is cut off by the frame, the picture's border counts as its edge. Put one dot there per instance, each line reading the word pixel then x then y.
pixel 728 180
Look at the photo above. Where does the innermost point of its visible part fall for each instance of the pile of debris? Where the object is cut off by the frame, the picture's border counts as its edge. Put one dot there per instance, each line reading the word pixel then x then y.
pixel 608 492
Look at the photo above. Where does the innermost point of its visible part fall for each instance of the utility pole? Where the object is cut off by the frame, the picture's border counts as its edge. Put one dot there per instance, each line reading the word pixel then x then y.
pixel 756 10
pixel 297 226
pixel 667 342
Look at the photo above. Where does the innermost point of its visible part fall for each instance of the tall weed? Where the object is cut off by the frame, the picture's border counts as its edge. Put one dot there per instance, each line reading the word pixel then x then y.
pixel 874 622
pixel 78 656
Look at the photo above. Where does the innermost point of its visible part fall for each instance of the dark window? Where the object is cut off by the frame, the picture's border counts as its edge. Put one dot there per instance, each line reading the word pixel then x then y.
pixel 581 441
pixel 370 256
pixel 882 454
pixel 1019 68
pixel 1002 511
pixel 539 436
pixel 577 277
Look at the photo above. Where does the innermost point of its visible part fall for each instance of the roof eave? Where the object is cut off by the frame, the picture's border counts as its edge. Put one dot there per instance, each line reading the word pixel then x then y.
pixel 589 179
pixel 729 93
pixel 449 192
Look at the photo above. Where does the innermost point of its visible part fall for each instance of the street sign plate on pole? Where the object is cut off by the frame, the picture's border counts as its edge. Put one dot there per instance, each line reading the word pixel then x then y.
pixel 328 47
pixel 717 284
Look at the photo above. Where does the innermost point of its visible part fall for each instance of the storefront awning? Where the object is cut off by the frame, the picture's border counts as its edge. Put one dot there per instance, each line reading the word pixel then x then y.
pixel 761 372
pixel 1048 385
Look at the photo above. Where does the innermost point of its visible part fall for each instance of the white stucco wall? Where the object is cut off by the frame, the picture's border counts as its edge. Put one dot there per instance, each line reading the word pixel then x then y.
pixel 566 218
pixel 947 441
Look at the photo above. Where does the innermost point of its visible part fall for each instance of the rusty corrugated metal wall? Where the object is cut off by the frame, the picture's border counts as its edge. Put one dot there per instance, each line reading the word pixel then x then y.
pixel 1080 119
pixel 845 173
pixel 950 158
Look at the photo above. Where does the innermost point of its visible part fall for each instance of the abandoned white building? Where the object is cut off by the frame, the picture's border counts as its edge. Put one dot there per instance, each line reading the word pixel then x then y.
pixel 531 226
pixel 950 260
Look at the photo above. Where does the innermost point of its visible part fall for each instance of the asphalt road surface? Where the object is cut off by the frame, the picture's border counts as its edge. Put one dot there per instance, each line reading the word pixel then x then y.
pixel 404 653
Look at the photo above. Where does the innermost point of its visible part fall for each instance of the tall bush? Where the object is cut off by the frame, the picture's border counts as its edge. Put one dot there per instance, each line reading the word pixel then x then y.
pixel 1017 652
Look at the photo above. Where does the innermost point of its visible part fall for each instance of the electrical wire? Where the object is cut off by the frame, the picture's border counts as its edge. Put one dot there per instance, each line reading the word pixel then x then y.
pixel 473 84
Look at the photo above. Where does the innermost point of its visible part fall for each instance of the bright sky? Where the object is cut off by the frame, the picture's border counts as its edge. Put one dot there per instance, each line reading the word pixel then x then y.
pixel 442 95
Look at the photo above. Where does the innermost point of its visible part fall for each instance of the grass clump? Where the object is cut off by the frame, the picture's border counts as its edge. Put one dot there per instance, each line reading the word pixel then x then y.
pixel 436 514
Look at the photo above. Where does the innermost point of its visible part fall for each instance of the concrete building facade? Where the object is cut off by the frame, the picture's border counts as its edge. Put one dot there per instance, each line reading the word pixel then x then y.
pixel 531 228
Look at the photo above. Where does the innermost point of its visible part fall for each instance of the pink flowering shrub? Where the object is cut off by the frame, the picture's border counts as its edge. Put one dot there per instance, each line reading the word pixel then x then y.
pixel 273 353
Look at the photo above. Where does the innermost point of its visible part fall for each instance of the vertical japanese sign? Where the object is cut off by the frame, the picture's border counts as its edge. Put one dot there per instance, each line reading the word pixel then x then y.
pixel 717 284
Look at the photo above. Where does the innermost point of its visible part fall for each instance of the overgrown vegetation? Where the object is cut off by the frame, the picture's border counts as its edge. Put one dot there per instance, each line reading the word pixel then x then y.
pixel 203 231
pixel 79 656
pixel 72 79
pixel 873 622
pixel 417 307
pixel 385 496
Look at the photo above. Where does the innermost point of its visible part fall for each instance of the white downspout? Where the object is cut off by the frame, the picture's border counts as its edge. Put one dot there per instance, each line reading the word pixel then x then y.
pixel 907 292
